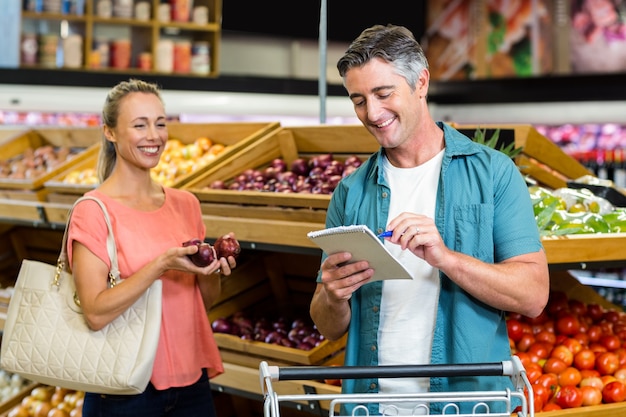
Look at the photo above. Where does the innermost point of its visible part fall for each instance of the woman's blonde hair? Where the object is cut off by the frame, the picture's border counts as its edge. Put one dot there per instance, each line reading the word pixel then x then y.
pixel 110 114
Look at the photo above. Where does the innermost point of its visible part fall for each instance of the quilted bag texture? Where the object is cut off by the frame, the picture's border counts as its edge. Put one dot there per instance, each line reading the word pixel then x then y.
pixel 46 338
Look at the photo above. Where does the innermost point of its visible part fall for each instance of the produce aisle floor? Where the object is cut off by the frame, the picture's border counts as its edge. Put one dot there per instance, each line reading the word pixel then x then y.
pixel 228 405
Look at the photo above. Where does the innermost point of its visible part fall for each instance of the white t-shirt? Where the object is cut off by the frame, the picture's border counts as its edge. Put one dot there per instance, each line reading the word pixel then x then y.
pixel 408 308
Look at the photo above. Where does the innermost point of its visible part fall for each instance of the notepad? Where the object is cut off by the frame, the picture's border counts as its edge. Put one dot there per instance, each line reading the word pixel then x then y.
pixel 364 246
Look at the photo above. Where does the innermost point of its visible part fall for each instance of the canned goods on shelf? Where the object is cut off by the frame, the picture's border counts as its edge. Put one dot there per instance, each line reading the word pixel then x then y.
pixel 120 54
pixel 165 55
pixel 144 61
pixel 48 47
pixel 200 58
pixel 73 51
pixel 182 57
pixel 180 10
pixel 101 56
pixel 104 8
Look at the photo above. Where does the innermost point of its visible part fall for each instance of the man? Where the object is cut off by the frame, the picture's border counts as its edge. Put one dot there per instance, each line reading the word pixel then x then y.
pixel 462 223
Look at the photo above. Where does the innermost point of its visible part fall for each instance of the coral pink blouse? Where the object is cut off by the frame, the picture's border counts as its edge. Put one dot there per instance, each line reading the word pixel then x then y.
pixel 186 343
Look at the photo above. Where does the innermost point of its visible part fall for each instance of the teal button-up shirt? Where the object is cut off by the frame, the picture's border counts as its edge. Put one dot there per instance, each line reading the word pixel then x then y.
pixel 484 210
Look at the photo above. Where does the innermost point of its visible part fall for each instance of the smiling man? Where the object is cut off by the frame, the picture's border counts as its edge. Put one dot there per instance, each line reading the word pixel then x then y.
pixel 462 223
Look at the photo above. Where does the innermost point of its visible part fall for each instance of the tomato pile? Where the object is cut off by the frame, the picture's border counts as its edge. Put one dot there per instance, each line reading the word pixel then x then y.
pixel 574 353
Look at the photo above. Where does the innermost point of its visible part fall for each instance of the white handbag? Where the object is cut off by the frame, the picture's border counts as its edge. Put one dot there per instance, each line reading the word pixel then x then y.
pixel 46 338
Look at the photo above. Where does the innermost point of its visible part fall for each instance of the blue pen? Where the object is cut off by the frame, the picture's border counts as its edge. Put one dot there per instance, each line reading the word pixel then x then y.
pixel 386 233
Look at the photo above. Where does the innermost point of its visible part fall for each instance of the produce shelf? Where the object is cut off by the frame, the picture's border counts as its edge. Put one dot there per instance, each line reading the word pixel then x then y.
pixel 585 248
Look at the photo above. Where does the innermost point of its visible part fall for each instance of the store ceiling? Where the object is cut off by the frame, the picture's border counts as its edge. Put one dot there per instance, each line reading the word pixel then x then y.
pixel 301 19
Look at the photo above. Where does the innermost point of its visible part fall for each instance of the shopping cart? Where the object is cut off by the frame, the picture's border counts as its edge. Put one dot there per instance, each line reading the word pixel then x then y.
pixel 519 400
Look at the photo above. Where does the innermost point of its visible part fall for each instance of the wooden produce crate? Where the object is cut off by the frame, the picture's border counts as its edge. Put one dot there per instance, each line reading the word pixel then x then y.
pixel 82 142
pixel 234 136
pixel 257 216
pixel 243 378
pixel 567 283
pixel 269 285
pixel 541 159
pixel 7 406
pixel 288 144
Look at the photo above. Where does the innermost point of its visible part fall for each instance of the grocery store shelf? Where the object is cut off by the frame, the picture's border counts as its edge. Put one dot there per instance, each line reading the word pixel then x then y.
pixel 566 88
pixel 601 282
pixel 585 248
pixel 245 380
pixel 601 87
pixel 184 82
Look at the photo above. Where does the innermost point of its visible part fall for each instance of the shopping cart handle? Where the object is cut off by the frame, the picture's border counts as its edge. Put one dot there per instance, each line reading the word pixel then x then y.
pixel 291 373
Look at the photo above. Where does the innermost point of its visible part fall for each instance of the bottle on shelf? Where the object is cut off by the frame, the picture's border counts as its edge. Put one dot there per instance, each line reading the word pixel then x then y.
pixel 619 175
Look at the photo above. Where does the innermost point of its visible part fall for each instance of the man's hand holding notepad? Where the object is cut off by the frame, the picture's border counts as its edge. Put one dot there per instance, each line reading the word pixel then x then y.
pixel 364 245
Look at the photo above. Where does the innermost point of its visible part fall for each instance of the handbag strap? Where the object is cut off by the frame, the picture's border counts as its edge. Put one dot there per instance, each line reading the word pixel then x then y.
pixel 114 273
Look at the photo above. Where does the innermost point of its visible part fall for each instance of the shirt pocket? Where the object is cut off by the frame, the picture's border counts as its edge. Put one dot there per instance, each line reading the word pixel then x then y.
pixel 473 226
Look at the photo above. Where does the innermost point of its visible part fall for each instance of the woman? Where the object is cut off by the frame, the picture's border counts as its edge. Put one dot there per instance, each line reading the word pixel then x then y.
pixel 150 222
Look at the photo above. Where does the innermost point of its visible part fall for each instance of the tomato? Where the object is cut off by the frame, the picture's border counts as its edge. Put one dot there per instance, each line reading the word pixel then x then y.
pixel 536 328
pixel 525 341
pixel 607 378
pixel 570 376
pixel 620 375
pixel 533 372
pixel 548 380
pixel 545 336
pixel 543 393
pixel 585 359
pixel 577 307
pixel 567 324
pixel 541 349
pixel 551 407
pixel 594 333
pixel 614 392
pixel 589 372
pixel 592 381
pixel 595 311
pixel 549 325
pixel 524 358
pixel 582 337
pixel 621 355
pixel 554 365
pixel 537 402
pixel 569 396
pixel 597 347
pixel 607 363
pixel 610 341
pixel 611 316
pixel 515 329
pixel 572 344
pixel 591 395
pixel 563 353
pixel 606 326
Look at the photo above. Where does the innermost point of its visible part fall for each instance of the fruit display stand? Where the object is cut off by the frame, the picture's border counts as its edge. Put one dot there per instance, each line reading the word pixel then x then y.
pixel 20 197
pixel 256 216
pixel 233 137
pixel 268 284
pixel 6 406
pixel 282 275
pixel 541 159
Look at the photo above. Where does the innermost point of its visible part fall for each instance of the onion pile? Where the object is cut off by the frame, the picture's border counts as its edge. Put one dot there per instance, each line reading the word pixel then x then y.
pixel 319 174
pixel 295 333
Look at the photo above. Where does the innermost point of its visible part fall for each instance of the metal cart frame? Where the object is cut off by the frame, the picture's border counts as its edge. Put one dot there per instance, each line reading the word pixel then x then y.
pixel 513 368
